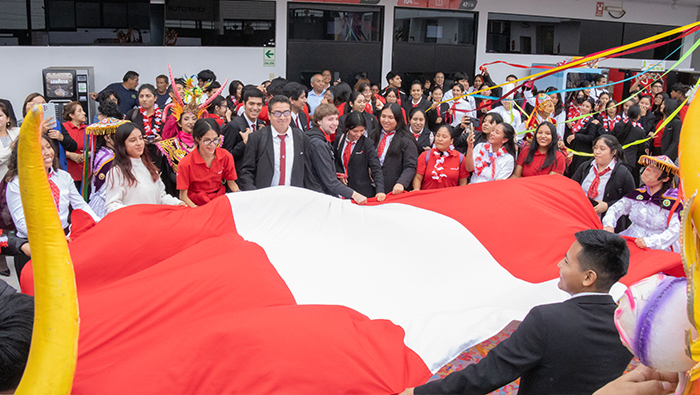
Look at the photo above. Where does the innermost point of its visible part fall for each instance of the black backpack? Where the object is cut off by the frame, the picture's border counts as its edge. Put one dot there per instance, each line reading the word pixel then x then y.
pixel 6 222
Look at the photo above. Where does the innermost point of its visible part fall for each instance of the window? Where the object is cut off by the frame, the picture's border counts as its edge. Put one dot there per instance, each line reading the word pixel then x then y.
pixel 510 33
pixel 434 27
pixel 333 23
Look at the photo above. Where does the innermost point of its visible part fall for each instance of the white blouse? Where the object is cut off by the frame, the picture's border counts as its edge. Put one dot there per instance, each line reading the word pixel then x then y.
pixel 68 196
pixel 649 221
pixel 145 191
pixel 6 151
pixel 504 167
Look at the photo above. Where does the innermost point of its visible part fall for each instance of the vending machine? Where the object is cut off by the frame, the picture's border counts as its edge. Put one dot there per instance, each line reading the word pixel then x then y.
pixel 66 84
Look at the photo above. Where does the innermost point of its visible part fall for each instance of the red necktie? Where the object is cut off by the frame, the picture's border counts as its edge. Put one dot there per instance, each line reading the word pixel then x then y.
pixel 380 148
pixel 593 189
pixel 255 124
pixel 283 149
pixel 346 154
pixel 297 122
pixel 55 192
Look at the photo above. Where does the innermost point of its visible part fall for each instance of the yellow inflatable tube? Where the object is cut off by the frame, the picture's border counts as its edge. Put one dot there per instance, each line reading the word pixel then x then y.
pixel 54 348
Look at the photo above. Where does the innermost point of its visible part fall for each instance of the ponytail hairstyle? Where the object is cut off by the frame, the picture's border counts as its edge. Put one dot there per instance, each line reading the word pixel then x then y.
pixel 633 113
pixel 551 156
pixel 122 159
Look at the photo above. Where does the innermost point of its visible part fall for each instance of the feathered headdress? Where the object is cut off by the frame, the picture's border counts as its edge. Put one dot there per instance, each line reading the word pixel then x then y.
pixel 193 95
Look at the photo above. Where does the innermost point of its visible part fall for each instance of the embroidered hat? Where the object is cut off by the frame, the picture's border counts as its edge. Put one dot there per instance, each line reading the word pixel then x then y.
pixel 105 126
pixel 663 162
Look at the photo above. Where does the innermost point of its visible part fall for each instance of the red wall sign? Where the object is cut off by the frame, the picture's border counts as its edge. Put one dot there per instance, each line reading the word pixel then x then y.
pixel 599 8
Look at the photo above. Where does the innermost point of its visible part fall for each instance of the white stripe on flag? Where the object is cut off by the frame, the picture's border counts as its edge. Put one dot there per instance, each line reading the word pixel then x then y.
pixel 421 270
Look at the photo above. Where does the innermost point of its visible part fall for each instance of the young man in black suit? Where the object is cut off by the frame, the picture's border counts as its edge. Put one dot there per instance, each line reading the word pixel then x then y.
pixel 237 131
pixel 568 348
pixel 296 93
pixel 277 154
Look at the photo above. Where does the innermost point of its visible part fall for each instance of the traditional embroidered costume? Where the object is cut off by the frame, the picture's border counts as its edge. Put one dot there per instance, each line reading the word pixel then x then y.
pixel 101 163
pixel 655 218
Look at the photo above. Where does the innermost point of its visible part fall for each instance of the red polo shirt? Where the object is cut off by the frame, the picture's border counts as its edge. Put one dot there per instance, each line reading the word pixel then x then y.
pixel 78 134
pixel 537 161
pixel 205 183
pixel 451 168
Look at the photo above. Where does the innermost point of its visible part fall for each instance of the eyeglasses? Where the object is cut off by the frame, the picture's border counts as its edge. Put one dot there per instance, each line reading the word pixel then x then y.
pixel 278 114
pixel 210 142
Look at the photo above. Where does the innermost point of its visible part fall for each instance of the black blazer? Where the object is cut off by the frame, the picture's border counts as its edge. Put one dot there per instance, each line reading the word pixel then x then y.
pixel 670 139
pixel 400 168
pixel 258 165
pixel 620 184
pixel 633 152
pixel 303 120
pixel 364 171
pixel 562 348
pixel 423 140
pixel 423 105
pixel 233 142
pixel 583 142
pixel 372 127
pixel 432 115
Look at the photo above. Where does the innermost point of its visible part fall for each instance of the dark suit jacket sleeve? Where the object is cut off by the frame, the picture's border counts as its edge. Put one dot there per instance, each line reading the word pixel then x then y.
pixel 410 159
pixel 503 364
pixel 590 133
pixel 246 177
pixel 579 173
pixel 375 166
pixel 675 133
pixel 231 136
pixel 621 185
pixel 70 145
pixel 310 181
pixel 319 155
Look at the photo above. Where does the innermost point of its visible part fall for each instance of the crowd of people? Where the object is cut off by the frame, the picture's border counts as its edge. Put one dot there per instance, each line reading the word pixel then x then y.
pixel 184 142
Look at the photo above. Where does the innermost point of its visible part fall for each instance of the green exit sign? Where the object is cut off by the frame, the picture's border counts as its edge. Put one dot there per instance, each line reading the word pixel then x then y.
pixel 268 57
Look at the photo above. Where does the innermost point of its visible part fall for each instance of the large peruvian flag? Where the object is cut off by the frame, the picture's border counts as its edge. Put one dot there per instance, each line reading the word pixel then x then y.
pixel 284 290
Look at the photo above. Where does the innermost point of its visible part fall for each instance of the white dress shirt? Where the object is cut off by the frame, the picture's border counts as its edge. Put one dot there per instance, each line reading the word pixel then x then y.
pixel 461 107
pixel 603 179
pixel 313 100
pixel 505 165
pixel 288 156
pixel 511 116
pixel 69 196
pixel 386 145
pixel 469 99
pixel 145 191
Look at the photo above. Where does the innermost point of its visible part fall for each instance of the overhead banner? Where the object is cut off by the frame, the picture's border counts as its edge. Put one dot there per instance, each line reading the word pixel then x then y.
pixel 464 5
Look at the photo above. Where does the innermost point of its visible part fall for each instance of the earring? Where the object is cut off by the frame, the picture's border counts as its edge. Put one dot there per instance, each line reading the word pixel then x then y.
pixel 9 124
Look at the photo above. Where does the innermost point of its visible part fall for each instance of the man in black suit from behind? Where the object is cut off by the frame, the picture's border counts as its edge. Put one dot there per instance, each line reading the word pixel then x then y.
pixel 277 154
pixel 296 93
pixel 568 348
pixel 236 132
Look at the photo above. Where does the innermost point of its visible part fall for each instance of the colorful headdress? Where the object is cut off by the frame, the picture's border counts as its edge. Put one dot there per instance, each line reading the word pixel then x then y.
pixel 105 126
pixel 193 95
pixel 540 101
pixel 663 162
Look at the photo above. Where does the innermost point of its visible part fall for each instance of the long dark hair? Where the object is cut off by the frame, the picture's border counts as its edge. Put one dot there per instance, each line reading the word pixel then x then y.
pixel 657 109
pixel 202 127
pixel 401 129
pixel 351 99
pixel 341 93
pixel 559 107
pixel 632 114
pixel 353 120
pixel 122 160
pixel 509 132
pixel 551 157
pixel 670 105
pixel 12 169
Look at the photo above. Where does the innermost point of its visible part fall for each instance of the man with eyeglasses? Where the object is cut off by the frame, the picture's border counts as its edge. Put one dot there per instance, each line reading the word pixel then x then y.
pixel 237 131
pixel 277 154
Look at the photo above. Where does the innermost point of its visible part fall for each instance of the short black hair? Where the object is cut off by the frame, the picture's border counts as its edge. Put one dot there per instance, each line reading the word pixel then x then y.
pixel 203 126
pixel 206 75
pixel 293 90
pixel 163 76
pixel 391 75
pixel 109 109
pixel 105 94
pixel 606 254
pixel 598 77
pixel 513 76
pixel 355 119
pixel 679 87
pixel 276 86
pixel 278 99
pixel 252 92
pixel 213 86
pixel 657 82
pixel 16 323
pixel 218 101
pixel 461 76
pixel 130 75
